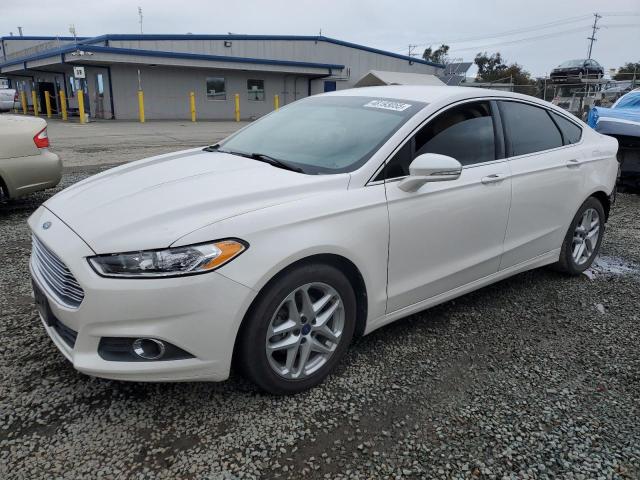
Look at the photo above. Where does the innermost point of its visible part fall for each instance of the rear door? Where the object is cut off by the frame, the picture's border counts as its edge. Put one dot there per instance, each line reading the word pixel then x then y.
pixel 546 181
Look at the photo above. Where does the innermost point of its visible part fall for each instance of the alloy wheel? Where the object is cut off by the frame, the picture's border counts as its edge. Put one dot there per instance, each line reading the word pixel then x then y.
pixel 585 236
pixel 305 330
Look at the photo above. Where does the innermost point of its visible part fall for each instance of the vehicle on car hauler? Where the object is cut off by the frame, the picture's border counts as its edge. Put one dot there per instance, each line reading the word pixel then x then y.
pixel 322 221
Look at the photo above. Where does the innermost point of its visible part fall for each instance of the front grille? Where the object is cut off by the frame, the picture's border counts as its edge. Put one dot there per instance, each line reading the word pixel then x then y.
pixel 55 274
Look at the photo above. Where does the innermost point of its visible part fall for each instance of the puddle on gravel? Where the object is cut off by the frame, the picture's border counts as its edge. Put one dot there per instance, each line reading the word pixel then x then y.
pixel 612 266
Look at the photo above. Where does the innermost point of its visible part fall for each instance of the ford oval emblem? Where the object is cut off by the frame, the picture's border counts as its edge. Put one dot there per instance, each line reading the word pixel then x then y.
pixel 46 225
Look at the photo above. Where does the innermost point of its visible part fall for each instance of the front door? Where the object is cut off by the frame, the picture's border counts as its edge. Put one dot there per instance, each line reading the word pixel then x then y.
pixel 448 234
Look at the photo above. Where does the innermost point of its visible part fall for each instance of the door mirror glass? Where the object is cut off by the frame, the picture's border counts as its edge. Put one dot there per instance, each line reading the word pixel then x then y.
pixel 430 167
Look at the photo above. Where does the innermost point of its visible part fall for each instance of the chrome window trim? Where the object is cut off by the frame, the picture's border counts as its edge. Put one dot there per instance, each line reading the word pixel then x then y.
pixel 476 99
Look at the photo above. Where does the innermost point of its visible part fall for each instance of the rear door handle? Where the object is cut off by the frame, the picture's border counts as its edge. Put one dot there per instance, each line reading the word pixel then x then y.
pixel 573 163
pixel 494 178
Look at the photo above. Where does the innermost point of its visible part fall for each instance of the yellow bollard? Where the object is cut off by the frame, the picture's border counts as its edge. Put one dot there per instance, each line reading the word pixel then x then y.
pixel 23 100
pixel 81 106
pixel 34 99
pixel 276 102
pixel 47 103
pixel 141 106
pixel 192 105
pixel 63 105
pixel 237 98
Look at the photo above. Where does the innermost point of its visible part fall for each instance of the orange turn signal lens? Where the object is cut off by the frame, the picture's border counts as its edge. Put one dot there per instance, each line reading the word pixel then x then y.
pixel 228 250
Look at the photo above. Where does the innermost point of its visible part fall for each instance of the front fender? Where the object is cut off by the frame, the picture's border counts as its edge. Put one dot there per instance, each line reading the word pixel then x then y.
pixel 349 223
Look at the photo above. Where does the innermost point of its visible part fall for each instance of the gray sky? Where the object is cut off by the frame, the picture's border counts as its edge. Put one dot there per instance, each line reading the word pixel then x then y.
pixel 390 25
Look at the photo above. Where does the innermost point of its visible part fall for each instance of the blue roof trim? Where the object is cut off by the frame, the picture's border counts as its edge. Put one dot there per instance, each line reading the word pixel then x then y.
pixel 158 54
pixel 14 37
pixel 126 37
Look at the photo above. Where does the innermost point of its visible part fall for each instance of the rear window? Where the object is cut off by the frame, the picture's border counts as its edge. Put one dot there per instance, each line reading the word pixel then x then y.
pixel 530 129
pixel 570 131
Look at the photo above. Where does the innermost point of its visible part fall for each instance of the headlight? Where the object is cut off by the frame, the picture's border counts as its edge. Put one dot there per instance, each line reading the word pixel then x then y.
pixel 169 262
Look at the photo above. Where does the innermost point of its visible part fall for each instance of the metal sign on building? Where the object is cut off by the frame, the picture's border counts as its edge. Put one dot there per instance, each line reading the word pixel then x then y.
pixel 78 72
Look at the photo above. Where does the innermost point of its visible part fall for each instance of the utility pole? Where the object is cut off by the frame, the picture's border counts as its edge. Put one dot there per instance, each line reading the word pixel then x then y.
pixel 595 27
pixel 140 21
pixel 411 47
pixel 20 31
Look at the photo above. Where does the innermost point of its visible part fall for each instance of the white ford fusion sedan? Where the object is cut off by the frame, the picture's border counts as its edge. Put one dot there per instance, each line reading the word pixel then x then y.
pixel 320 222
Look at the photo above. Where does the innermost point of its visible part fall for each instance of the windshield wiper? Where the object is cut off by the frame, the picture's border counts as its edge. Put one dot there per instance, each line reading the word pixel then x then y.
pixel 275 162
pixel 261 157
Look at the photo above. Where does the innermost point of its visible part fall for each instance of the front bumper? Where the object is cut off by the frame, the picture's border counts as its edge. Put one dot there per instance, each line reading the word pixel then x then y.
pixel 200 314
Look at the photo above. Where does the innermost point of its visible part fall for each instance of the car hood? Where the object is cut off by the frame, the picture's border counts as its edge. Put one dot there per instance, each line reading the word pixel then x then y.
pixel 152 203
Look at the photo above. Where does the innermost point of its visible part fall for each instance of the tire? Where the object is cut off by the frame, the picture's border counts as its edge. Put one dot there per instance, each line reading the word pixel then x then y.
pixel 569 261
pixel 281 307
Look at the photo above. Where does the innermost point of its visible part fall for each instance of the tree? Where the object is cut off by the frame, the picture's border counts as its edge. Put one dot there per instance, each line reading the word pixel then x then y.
pixel 439 55
pixel 627 71
pixel 491 68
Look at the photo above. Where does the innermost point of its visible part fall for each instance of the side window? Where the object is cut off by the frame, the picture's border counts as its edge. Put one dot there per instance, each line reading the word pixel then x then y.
pixel 570 131
pixel 464 132
pixel 529 128
pixel 255 90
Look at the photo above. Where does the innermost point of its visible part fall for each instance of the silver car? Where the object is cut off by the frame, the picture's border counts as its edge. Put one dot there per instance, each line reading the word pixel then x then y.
pixel 26 164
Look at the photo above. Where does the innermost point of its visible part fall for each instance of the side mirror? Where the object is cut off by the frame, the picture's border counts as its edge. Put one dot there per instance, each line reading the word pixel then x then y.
pixel 430 167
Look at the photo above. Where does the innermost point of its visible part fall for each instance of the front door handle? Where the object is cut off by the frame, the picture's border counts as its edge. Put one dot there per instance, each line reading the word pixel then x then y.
pixel 493 178
pixel 573 163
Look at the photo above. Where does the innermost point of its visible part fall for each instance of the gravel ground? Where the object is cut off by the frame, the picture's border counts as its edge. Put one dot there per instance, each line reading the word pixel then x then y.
pixel 537 376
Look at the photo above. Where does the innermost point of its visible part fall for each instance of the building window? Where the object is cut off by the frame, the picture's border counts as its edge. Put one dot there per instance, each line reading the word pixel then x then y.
pixel 329 86
pixel 216 89
pixel 255 90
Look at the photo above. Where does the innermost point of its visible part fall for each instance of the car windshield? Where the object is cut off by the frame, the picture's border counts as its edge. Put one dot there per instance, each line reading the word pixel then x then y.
pixel 324 134
pixel 571 63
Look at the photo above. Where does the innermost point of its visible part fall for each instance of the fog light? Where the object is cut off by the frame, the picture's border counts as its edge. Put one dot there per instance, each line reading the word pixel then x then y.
pixel 148 348
pixel 135 349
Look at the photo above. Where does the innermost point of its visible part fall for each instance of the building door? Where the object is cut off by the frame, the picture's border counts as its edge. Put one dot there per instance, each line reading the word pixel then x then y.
pixel 51 88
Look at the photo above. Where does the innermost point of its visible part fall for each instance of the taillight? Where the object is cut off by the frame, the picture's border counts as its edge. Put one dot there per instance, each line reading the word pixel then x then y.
pixel 15 96
pixel 41 139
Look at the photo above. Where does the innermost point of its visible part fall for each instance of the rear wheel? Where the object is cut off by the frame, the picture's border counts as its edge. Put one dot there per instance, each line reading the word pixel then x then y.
pixel 583 239
pixel 298 330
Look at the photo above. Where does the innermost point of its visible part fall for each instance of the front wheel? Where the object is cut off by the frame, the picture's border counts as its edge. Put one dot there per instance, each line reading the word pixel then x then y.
pixel 298 329
pixel 582 241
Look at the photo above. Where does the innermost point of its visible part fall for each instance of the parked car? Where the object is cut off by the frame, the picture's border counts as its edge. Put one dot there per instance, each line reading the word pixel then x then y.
pixel 573 70
pixel 325 220
pixel 8 99
pixel 26 164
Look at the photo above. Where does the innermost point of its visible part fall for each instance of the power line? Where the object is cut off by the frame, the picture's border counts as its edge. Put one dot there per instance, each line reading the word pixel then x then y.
pixel 506 33
pixel 524 40
pixel 542 37
pixel 542 26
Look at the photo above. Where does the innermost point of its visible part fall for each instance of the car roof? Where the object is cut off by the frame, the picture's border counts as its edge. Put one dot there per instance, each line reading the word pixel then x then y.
pixel 428 93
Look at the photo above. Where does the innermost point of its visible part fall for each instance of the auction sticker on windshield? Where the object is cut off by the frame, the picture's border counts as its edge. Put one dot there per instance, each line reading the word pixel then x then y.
pixel 387 105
